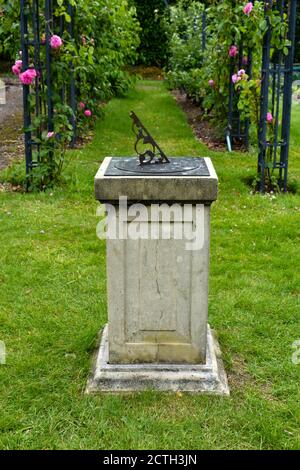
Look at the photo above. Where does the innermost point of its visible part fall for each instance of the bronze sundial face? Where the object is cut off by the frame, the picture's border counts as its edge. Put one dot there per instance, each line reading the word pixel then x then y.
pixel 177 166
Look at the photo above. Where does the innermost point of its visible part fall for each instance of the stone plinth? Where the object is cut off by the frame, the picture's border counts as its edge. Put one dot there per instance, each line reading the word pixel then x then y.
pixel 198 378
pixel 157 274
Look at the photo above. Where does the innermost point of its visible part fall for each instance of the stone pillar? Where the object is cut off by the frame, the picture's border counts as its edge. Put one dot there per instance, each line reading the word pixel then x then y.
pixel 157 279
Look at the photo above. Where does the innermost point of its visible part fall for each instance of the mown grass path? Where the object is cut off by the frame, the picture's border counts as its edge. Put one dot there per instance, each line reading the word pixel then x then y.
pixel 53 303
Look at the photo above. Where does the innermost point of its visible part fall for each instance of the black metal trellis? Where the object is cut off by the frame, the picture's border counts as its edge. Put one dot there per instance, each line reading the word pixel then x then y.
pixel 276 99
pixel 203 29
pixel 26 109
pixel 73 100
pixel 38 24
pixel 238 128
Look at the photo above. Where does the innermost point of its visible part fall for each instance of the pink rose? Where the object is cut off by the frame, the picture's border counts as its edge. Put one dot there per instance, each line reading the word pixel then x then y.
pixel 82 105
pixel 235 78
pixel 248 8
pixel 211 83
pixel 56 42
pixel 16 69
pixel 269 117
pixel 233 51
pixel 28 76
pixel 50 135
pixel 88 113
pixel 32 73
pixel 241 72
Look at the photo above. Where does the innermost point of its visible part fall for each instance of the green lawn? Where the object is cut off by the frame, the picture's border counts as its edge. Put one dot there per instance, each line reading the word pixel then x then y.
pixel 53 303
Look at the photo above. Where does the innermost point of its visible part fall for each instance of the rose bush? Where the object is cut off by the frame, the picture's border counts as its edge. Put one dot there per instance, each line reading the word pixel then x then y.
pixel 233 29
pixel 105 41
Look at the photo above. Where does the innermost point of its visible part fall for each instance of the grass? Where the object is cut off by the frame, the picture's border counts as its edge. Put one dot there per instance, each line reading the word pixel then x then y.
pixel 53 303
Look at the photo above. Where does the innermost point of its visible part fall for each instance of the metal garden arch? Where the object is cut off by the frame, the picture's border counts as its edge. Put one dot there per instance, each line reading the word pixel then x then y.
pixel 37 25
pixel 276 98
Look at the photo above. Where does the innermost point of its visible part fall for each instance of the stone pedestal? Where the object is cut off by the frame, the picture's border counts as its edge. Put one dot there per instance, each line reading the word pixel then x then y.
pixel 157 275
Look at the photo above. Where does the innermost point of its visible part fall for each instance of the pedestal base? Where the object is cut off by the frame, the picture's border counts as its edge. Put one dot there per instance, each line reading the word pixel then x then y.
pixel 206 378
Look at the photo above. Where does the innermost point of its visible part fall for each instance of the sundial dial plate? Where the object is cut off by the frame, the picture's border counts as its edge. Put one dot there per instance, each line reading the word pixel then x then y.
pixel 177 166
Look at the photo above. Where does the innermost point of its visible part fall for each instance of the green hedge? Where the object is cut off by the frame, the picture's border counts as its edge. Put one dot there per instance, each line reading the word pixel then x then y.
pixel 152 50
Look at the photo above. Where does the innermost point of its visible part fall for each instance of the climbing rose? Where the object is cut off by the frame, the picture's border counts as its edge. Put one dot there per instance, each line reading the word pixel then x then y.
pixel 248 8
pixel 269 117
pixel 88 113
pixel 235 78
pixel 82 105
pixel 56 42
pixel 241 72
pixel 16 69
pixel 28 76
pixel 233 51
pixel 50 135
pixel 211 83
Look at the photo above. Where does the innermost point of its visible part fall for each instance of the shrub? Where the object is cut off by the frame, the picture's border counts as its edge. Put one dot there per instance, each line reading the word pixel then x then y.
pixel 184 29
pixel 232 31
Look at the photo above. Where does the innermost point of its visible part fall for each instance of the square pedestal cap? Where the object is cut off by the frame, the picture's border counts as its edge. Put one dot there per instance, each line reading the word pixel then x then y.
pixel 111 182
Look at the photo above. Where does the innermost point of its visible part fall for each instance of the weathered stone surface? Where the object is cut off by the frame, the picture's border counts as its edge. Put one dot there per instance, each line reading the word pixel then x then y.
pixel 156 188
pixel 158 299
pixel 207 378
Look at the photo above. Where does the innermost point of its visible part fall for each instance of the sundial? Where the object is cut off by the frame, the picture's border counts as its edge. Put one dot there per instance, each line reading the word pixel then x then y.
pixel 152 161
pixel 157 234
